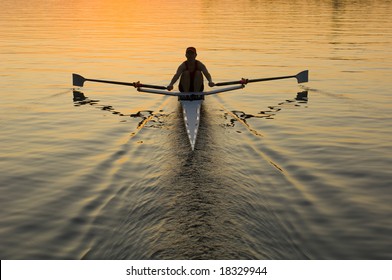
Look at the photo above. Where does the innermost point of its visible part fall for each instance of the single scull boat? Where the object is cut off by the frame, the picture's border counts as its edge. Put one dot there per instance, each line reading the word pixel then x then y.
pixel 190 101
pixel 191 107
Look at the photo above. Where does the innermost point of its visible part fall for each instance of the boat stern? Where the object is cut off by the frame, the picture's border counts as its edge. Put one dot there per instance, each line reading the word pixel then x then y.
pixel 191 115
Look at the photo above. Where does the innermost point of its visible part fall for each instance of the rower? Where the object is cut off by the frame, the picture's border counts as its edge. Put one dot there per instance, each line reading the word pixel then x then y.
pixel 191 72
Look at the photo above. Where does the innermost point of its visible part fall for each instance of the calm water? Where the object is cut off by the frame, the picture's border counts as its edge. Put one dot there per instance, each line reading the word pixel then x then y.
pixel 273 176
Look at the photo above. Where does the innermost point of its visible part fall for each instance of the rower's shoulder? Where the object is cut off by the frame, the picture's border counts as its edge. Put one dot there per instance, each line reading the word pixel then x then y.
pixel 200 64
pixel 182 66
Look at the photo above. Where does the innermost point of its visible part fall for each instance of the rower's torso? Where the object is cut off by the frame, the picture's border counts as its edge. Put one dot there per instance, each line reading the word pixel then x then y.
pixel 191 66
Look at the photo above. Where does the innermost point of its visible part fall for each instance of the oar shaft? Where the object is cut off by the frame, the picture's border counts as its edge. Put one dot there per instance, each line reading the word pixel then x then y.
pixel 245 81
pixel 150 86
pixel 301 77
pixel 270 79
pixel 134 84
pixel 230 83
pixel 111 82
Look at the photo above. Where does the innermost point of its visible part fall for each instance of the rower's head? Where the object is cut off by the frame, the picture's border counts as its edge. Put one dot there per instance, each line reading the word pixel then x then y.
pixel 191 53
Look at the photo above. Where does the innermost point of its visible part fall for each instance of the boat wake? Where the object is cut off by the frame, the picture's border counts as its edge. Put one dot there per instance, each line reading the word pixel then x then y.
pixel 183 204
pixel 234 116
pixel 151 118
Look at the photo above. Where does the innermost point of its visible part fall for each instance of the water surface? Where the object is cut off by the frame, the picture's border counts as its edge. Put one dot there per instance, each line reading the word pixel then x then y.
pixel 273 176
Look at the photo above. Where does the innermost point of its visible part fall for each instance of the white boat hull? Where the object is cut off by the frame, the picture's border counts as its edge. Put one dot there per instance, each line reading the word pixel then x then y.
pixel 191 105
pixel 191 113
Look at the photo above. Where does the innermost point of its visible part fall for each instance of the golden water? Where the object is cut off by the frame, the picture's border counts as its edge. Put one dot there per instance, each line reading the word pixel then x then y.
pixel 272 177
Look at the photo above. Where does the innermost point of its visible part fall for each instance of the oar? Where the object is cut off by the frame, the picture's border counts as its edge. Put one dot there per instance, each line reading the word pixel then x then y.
pixel 301 77
pixel 79 80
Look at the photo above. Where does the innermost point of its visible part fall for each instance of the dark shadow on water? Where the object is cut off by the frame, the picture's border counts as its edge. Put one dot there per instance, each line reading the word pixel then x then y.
pixel 200 221
pixel 80 99
pixel 235 116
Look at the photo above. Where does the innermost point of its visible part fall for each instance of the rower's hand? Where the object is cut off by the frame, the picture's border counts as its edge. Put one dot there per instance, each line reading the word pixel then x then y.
pixel 169 87
pixel 211 84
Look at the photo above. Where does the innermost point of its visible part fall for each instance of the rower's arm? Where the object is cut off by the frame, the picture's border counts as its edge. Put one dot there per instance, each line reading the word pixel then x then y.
pixel 176 76
pixel 207 75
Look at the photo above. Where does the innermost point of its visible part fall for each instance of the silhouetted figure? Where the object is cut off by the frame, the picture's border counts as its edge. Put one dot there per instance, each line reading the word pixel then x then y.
pixel 191 72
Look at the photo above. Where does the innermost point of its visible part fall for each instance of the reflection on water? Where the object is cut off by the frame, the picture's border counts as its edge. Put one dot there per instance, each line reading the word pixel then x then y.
pixel 240 116
pixel 108 173
pixel 145 116
pixel 302 98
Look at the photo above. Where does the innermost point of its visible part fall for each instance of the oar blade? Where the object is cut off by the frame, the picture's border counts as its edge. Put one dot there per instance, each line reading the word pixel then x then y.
pixel 303 77
pixel 78 80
